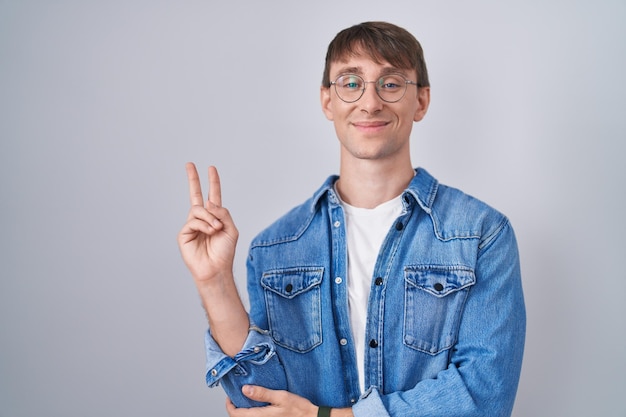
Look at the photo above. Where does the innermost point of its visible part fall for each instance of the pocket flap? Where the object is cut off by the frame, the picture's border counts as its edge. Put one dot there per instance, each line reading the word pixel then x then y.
pixel 290 282
pixel 439 280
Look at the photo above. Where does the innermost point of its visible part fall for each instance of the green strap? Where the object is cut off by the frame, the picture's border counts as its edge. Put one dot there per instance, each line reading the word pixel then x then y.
pixel 323 412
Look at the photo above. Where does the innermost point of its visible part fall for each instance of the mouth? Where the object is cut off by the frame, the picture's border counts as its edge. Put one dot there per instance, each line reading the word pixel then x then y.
pixel 370 126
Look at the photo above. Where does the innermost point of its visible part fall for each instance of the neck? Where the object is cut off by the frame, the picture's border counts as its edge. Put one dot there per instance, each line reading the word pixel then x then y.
pixel 368 184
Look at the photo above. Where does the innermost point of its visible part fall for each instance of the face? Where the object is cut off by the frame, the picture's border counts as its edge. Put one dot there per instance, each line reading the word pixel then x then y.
pixel 371 128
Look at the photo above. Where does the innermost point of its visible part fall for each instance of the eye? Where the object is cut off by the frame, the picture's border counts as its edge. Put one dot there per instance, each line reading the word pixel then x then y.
pixel 350 82
pixel 390 82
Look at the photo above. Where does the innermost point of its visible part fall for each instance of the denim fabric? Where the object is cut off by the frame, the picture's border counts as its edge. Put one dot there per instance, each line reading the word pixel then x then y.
pixel 446 317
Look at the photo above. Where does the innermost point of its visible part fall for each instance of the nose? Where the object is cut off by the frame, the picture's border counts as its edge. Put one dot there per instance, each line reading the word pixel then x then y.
pixel 371 102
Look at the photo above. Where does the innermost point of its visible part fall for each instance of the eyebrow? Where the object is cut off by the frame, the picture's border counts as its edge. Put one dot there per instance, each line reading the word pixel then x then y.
pixel 359 71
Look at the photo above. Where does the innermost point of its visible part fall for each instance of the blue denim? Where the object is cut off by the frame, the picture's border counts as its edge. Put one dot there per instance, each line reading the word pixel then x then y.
pixel 446 317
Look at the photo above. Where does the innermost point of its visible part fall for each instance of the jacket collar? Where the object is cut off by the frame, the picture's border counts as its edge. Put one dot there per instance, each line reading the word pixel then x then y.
pixel 423 188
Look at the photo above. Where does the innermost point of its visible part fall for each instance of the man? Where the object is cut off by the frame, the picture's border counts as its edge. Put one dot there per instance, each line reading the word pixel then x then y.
pixel 386 293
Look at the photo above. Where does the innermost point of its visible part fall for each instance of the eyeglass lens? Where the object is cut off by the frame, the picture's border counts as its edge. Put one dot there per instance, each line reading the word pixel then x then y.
pixel 390 88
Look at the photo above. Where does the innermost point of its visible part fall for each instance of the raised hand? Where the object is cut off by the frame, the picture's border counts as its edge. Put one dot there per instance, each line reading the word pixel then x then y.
pixel 208 239
pixel 207 243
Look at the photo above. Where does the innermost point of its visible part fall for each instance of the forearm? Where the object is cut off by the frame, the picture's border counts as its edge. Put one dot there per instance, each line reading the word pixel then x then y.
pixel 256 364
pixel 228 320
pixel 484 365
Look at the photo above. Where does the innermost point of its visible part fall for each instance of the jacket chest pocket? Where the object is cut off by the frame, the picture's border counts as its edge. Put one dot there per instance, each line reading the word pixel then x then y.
pixel 292 298
pixel 434 300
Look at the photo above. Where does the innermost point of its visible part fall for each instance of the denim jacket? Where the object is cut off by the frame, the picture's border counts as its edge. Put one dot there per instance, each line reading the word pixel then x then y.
pixel 446 317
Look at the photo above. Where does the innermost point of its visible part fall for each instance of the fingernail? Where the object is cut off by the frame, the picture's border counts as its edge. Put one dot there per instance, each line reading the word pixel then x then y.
pixel 248 390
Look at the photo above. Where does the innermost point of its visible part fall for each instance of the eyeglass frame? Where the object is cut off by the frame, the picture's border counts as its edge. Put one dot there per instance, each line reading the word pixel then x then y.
pixel 406 83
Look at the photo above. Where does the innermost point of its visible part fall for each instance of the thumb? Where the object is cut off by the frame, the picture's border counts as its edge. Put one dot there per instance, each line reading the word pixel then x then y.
pixel 257 393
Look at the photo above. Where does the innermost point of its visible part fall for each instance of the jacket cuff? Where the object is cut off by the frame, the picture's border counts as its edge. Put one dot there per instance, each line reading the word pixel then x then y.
pixel 257 349
pixel 370 405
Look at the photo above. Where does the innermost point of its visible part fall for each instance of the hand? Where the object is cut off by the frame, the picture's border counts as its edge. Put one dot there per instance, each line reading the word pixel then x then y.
pixel 207 243
pixel 208 239
pixel 281 403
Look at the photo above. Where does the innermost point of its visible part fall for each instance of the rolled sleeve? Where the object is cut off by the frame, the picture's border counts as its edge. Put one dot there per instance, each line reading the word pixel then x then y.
pixel 256 364
pixel 370 405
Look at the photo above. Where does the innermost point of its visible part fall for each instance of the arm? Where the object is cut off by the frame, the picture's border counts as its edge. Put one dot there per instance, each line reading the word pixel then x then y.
pixel 282 403
pixel 236 355
pixel 207 244
pixel 484 365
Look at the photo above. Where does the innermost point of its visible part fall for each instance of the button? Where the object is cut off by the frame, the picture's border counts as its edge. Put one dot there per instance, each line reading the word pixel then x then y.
pixel 378 281
pixel 337 223
pixel 289 288
pixel 399 226
pixel 373 343
pixel 438 286
pixel 257 349
pixel 343 342
pixel 338 280
pixel 352 400
pixel 213 372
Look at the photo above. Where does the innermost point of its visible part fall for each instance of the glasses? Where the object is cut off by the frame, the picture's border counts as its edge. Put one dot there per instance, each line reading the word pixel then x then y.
pixel 390 88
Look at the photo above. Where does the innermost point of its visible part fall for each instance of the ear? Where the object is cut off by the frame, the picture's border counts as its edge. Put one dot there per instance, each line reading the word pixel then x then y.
pixel 327 106
pixel 423 98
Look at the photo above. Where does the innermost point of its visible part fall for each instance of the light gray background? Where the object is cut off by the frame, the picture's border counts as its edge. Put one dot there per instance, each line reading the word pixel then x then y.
pixel 102 103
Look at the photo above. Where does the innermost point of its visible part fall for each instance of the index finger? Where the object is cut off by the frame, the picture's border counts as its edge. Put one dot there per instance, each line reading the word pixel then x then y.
pixel 215 187
pixel 195 190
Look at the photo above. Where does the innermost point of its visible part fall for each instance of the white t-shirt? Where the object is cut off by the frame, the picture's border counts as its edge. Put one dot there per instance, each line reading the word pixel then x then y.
pixel 366 230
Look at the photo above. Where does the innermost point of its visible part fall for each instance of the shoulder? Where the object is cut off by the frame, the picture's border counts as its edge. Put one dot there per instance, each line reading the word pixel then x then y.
pixel 296 221
pixel 466 213
pixel 456 214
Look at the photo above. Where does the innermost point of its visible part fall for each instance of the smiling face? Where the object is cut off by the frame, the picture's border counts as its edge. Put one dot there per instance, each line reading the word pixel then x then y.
pixel 370 128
